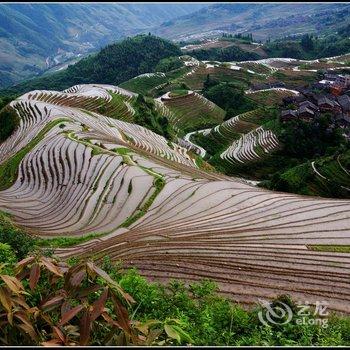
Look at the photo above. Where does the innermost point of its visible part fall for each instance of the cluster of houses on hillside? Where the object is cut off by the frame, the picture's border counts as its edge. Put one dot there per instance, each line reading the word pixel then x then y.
pixel 337 84
pixel 308 105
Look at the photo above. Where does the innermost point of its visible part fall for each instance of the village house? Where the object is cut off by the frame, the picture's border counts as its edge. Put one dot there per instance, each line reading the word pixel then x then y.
pixel 309 105
pixel 300 98
pixel 288 115
pixel 330 76
pixel 327 105
pixel 305 113
pixel 344 102
pixel 343 80
pixel 341 83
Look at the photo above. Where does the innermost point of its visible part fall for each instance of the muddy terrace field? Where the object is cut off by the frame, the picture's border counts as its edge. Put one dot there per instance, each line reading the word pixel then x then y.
pixel 73 171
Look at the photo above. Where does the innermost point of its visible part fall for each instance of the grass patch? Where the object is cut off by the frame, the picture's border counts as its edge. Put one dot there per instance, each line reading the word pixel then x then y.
pixel 159 184
pixel 178 92
pixel 122 150
pixel 330 248
pixel 63 242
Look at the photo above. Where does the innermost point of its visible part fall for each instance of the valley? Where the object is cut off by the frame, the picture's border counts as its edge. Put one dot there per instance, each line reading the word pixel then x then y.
pixel 175 174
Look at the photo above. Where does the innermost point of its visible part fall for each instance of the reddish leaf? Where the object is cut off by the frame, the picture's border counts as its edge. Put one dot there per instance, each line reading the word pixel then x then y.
pixel 29 330
pixel 23 317
pixel 34 276
pixel 5 299
pixel 12 282
pixel 20 265
pixel 20 301
pixel 23 274
pixel 65 307
pixel 73 270
pixel 59 334
pixel 77 278
pixel 70 314
pixel 98 305
pixel 122 315
pixel 110 320
pixel 52 303
pixel 85 328
pixel 50 266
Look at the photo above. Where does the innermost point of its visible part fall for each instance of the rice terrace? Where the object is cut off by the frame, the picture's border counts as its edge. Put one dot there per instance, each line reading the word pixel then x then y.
pixel 221 155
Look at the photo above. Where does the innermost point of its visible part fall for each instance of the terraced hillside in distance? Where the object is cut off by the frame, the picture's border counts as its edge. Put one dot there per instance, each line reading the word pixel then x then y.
pixel 78 166
pixel 238 140
pixel 191 111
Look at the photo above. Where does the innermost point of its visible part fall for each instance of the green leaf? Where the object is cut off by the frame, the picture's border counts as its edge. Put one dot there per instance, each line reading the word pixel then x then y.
pixel 172 332
pixel 184 336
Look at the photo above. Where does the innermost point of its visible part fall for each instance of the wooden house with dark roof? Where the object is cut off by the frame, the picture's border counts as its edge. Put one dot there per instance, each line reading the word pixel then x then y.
pixel 305 113
pixel 288 115
pixel 327 105
pixel 344 102
pixel 309 105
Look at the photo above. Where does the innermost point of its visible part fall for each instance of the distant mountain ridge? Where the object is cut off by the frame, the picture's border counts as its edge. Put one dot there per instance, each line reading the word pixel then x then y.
pixel 34 37
pixel 263 20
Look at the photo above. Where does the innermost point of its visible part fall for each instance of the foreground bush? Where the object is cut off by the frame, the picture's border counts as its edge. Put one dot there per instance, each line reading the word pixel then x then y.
pixel 9 121
pixel 48 303
pixel 19 241
pixel 45 302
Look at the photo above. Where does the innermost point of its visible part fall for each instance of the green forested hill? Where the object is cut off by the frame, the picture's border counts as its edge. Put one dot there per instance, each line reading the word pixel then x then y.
pixel 112 65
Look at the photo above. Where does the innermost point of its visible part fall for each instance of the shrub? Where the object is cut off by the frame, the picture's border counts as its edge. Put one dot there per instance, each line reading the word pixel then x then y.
pixel 19 241
pixel 168 64
pixel 7 256
pixel 49 303
pixel 9 121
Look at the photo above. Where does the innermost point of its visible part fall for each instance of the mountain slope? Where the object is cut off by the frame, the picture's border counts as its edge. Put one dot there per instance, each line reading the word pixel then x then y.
pixel 263 20
pixel 112 65
pixel 34 37
pixel 68 171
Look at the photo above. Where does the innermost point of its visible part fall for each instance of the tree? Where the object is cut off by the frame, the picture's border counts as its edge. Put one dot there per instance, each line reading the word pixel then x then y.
pixel 307 42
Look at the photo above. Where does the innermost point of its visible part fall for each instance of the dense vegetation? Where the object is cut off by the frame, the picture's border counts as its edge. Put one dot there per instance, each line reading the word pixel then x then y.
pixel 112 65
pixel 231 53
pixel 302 179
pixel 168 64
pixel 19 242
pixel 147 116
pixel 310 46
pixel 9 121
pixel 228 96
